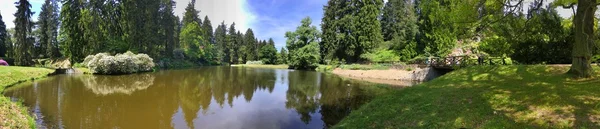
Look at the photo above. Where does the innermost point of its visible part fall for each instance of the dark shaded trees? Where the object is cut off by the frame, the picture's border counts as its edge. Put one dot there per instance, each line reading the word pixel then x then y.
pixel 351 28
pixel 24 40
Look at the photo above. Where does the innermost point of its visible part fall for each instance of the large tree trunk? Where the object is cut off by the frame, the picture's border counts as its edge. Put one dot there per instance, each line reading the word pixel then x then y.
pixel 584 39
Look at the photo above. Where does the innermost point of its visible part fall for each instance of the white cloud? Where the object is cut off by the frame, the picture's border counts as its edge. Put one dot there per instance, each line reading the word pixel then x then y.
pixel 221 10
pixel 8 9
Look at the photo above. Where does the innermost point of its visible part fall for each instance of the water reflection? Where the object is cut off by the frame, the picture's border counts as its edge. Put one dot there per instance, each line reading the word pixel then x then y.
pixel 213 97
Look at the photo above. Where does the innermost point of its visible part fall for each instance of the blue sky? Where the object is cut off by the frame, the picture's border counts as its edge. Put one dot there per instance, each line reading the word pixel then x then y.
pixel 267 18
pixel 274 17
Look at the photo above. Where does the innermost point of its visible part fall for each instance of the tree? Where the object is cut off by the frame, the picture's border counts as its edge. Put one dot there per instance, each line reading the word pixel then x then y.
pixel 169 25
pixel 192 42
pixel 208 29
pixel 584 35
pixel 282 57
pixel 3 38
pixel 232 42
pixel 303 45
pixel 71 31
pixel 399 26
pixel 268 53
pixel 250 46
pixel 191 14
pixel 23 26
pixel 222 42
pixel 48 25
pixel 351 28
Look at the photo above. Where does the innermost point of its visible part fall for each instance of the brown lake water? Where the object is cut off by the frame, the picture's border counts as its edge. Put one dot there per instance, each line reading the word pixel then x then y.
pixel 209 97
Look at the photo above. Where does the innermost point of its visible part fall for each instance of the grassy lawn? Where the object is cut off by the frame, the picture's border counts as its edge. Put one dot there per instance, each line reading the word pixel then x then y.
pixel 14 115
pixel 263 66
pixel 488 97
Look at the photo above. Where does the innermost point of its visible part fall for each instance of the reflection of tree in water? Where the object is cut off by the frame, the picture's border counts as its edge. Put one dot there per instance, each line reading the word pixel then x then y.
pixel 334 97
pixel 126 84
pixel 223 83
pixel 302 94
pixel 338 99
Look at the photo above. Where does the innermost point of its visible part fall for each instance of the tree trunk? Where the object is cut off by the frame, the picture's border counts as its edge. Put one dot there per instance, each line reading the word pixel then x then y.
pixel 584 39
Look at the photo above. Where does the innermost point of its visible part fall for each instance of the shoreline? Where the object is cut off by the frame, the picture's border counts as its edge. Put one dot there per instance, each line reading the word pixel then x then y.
pixel 15 114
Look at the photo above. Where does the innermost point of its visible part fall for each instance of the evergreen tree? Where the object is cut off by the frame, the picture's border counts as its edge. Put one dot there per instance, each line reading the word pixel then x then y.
pixel 237 51
pixel 191 14
pixel 169 26
pixel 399 26
pixel 351 28
pixel 23 26
pixel 3 38
pixel 48 21
pixel 70 29
pixel 222 42
pixel 232 41
pixel 250 46
pixel 208 29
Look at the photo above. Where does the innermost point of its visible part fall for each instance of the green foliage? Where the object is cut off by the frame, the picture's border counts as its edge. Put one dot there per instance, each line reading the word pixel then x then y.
pixel 399 26
pixel 282 56
pixel 125 63
pixel 350 29
pixel 325 68
pixel 3 39
pixel 249 50
pixel 268 53
pixel 48 26
pixel 194 45
pixel 303 46
pixel 23 26
pixel 540 37
pixel 383 56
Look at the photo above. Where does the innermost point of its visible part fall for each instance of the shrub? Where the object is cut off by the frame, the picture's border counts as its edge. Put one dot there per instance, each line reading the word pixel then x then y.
pixel 384 56
pixel 254 63
pixel 125 63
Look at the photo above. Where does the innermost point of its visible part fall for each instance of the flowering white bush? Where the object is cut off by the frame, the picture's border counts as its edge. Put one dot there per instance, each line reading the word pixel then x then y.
pixel 125 63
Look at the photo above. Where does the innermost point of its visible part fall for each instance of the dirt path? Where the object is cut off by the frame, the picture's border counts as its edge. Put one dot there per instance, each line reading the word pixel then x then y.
pixel 390 76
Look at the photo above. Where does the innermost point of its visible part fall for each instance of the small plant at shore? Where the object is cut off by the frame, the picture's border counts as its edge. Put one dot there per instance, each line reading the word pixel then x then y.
pixel 125 63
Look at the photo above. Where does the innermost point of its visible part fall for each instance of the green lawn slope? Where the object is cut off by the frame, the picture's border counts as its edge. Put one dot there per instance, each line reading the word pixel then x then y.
pixel 14 115
pixel 488 97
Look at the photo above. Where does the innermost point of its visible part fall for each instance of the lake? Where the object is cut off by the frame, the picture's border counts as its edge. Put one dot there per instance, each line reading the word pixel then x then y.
pixel 209 97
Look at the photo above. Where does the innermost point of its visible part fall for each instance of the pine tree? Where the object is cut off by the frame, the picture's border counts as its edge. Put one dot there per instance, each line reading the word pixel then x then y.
pixel 351 28
pixel 399 26
pixel 48 21
pixel 169 26
pixel 208 29
pixel 23 26
pixel 237 51
pixel 3 38
pixel 250 46
pixel 232 41
pixel 191 14
pixel 222 42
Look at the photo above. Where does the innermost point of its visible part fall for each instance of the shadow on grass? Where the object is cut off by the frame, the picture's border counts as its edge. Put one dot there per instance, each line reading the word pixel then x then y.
pixel 488 97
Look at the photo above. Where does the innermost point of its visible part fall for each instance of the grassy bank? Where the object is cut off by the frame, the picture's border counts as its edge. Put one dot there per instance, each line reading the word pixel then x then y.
pixel 263 66
pixel 488 97
pixel 14 115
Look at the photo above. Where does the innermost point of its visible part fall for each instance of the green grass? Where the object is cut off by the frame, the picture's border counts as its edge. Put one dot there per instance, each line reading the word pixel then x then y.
pixel 488 97
pixel 14 115
pixel 263 66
